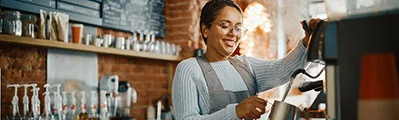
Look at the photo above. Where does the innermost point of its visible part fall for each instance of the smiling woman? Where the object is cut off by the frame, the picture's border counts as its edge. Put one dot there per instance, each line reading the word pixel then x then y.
pixel 216 86
pixel 221 38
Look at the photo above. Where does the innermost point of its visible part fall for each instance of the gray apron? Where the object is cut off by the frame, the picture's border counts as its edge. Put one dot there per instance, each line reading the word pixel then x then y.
pixel 219 97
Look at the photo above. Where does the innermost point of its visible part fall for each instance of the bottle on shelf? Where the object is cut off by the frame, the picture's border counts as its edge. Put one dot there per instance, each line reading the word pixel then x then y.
pixel 47 115
pixel 83 115
pixel 57 108
pixel 35 103
pixel 15 107
pixel 93 104
pixel 72 114
pixel 25 101
pixel 104 114
pixel 65 110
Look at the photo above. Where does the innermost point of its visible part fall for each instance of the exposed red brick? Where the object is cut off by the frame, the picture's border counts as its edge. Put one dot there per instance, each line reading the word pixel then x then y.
pixel 156 93
pixel 179 22
pixel 189 14
pixel 6 93
pixel 39 63
pixel 107 69
pixel 142 102
pixel 3 51
pixel 157 70
pixel 182 39
pixel 20 51
pixel 22 64
pixel 130 68
pixel 160 84
pixel 117 69
pixel 6 109
pixel 34 76
pixel 187 54
pixel 187 7
pixel 42 53
pixel 177 2
pixel 29 52
pixel 138 85
pixel 139 69
pixel 11 76
pixel 137 77
pixel 4 62
pixel 122 60
pixel 105 58
pixel 174 14
pixel 138 112
pixel 180 29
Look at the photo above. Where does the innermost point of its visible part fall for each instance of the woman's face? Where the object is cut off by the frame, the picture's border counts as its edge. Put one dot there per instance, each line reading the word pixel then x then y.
pixel 224 34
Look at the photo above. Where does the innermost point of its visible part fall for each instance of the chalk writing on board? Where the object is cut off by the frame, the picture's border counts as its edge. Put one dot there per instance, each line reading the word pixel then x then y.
pixel 134 15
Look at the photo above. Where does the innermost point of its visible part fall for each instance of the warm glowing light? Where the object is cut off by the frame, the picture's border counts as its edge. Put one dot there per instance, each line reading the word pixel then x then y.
pixel 251 44
pixel 266 27
pixel 255 15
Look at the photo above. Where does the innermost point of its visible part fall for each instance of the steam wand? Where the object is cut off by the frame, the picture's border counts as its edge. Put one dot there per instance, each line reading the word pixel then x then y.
pixel 303 71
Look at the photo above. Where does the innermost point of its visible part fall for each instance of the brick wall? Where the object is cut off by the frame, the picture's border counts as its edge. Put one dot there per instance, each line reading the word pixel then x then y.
pixel 147 76
pixel 20 65
pixel 182 24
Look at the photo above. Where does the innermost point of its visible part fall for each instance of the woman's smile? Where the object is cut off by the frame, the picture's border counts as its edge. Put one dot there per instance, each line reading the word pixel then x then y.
pixel 230 42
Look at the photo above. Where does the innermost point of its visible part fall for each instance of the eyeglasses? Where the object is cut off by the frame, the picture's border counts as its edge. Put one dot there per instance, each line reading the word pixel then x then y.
pixel 227 27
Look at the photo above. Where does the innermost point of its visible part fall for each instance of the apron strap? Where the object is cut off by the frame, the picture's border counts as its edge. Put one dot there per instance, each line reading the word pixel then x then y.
pixel 219 98
pixel 245 74
pixel 211 78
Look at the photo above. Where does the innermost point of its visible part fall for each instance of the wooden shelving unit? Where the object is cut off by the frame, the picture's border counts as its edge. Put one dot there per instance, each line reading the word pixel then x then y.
pixel 80 47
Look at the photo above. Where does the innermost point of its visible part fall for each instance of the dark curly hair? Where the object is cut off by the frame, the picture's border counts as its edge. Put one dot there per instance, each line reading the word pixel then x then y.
pixel 212 9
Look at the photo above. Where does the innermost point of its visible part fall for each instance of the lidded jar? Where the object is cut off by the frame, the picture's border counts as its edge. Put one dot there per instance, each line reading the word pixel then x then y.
pixel 29 26
pixel 12 23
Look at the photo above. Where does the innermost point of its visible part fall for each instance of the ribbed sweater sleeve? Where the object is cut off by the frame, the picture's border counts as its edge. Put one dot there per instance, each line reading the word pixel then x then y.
pixel 185 96
pixel 272 73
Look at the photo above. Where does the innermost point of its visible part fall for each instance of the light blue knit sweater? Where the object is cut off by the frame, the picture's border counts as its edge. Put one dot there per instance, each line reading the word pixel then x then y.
pixel 190 92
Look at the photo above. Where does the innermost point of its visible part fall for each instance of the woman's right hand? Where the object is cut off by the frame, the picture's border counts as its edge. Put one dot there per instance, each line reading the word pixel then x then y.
pixel 252 107
pixel 312 24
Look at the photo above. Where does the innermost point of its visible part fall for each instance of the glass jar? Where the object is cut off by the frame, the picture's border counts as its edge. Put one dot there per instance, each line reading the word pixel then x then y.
pixel 11 23
pixel 1 21
pixel 29 26
pixel 1 24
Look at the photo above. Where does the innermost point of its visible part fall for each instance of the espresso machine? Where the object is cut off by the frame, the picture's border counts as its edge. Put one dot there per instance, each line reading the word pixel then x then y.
pixel 285 111
pixel 352 49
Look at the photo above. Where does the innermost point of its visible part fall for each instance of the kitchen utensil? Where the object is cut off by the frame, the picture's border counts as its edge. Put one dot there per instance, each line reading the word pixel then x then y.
pixel 284 111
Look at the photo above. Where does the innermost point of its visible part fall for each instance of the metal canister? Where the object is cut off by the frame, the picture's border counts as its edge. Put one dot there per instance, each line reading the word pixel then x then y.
pixel 120 43
pixel 284 111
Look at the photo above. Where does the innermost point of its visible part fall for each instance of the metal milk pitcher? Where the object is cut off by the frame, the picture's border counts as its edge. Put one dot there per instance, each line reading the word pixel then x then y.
pixel 284 111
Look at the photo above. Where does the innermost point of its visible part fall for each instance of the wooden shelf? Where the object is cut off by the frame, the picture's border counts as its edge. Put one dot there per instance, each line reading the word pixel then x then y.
pixel 80 47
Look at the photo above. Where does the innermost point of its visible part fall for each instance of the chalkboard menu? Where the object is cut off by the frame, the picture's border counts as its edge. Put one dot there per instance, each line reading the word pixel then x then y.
pixel 134 15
